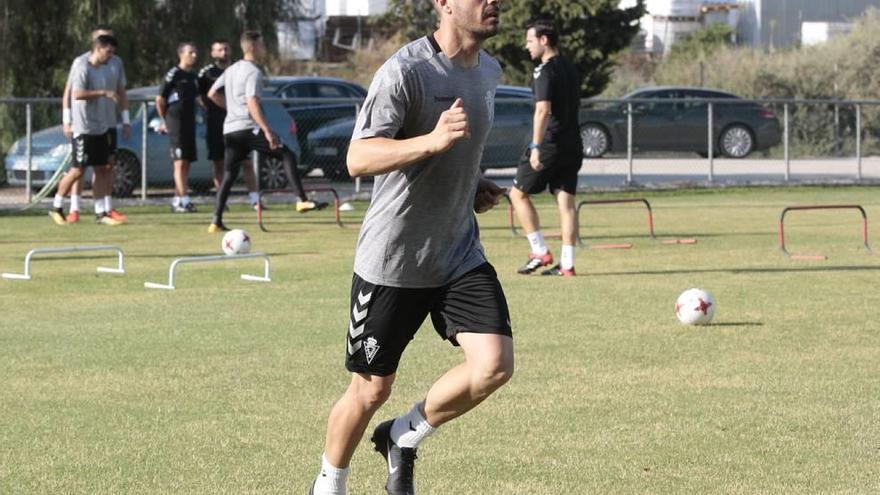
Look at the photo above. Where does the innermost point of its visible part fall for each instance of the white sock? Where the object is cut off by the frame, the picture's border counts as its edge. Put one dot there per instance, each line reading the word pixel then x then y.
pixel 74 202
pixel 99 207
pixel 567 260
pixel 536 240
pixel 254 197
pixel 108 204
pixel 58 202
pixel 410 429
pixel 185 200
pixel 331 480
pixel 175 201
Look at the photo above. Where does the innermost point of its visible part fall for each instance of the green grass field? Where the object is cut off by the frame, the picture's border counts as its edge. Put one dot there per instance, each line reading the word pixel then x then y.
pixel 223 386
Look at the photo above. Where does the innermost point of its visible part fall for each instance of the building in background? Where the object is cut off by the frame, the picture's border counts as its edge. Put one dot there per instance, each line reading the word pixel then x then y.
pixel 766 24
pixel 327 29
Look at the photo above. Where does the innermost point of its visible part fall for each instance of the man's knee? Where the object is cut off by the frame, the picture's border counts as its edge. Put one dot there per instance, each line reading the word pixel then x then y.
pixel 371 392
pixel 494 371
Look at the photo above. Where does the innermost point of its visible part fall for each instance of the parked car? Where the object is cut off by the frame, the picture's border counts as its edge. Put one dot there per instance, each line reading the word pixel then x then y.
pixel 511 132
pixel 50 148
pixel 739 128
pixel 309 113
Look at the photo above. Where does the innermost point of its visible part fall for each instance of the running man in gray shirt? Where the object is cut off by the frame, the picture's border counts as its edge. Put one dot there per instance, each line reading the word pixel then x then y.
pixel 421 133
pixel 245 129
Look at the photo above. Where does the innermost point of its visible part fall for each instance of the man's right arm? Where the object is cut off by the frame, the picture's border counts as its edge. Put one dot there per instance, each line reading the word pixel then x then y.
pixel 217 96
pixel 380 155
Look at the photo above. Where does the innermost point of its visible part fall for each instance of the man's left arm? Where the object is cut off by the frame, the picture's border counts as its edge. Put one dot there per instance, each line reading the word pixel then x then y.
pixel 488 195
pixel 123 102
pixel 539 127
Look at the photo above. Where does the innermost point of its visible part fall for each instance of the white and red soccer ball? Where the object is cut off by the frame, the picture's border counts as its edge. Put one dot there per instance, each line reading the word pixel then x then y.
pixel 236 241
pixel 695 307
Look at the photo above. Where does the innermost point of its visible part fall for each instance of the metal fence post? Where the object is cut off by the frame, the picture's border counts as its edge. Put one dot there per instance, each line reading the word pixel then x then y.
pixel 711 141
pixel 29 152
pixel 629 143
pixel 144 125
pixel 785 140
pixel 711 138
pixel 859 141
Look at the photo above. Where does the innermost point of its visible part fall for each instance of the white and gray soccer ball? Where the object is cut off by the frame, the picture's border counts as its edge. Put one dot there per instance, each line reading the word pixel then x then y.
pixel 236 241
pixel 695 307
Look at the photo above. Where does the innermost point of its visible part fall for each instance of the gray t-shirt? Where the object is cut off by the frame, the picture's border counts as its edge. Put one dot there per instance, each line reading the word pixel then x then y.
pixel 240 81
pixel 420 229
pixel 94 116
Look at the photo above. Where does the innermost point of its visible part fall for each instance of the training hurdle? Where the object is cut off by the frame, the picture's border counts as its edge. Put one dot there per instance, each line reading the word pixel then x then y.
pixel 172 270
pixel 307 190
pixel 820 207
pixel 29 258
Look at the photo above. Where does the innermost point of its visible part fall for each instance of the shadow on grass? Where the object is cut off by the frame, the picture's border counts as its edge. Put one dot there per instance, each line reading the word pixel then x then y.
pixel 736 324
pixel 854 268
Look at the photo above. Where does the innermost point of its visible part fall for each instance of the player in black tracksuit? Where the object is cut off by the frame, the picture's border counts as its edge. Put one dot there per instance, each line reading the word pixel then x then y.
pixel 176 105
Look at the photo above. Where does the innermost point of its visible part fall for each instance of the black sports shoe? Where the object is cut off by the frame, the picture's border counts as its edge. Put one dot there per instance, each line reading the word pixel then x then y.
pixel 535 261
pixel 559 271
pixel 401 461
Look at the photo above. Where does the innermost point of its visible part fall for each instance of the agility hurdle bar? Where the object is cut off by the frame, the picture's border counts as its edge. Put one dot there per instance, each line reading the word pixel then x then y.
pixel 616 201
pixel 204 259
pixel 28 259
pixel 307 190
pixel 820 207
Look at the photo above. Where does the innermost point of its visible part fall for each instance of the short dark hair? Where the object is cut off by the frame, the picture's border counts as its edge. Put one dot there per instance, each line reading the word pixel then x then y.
pixel 184 44
pixel 251 36
pixel 105 40
pixel 222 41
pixel 545 26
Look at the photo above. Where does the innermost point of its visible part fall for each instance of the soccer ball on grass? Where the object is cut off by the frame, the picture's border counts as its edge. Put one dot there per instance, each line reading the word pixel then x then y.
pixel 236 241
pixel 695 307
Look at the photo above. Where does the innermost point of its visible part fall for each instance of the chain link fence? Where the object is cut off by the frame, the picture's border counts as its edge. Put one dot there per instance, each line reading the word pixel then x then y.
pixel 627 143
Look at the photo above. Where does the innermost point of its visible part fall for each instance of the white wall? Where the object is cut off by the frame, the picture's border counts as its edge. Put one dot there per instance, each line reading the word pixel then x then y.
pixel 355 7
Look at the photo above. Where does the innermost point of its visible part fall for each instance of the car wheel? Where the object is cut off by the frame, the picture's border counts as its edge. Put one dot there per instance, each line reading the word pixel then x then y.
pixel 272 174
pixel 595 140
pixel 736 141
pixel 126 173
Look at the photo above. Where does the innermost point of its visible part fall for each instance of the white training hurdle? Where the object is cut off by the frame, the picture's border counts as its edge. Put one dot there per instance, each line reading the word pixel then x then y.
pixel 203 259
pixel 28 259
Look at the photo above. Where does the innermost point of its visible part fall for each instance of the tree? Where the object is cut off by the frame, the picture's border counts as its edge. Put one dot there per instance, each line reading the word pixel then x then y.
pixel 592 32
pixel 40 38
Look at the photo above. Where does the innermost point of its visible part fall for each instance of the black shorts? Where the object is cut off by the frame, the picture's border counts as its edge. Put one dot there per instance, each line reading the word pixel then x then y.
pixel 182 139
pixel 111 142
pixel 383 320
pixel 561 165
pixel 214 139
pixel 240 145
pixel 91 150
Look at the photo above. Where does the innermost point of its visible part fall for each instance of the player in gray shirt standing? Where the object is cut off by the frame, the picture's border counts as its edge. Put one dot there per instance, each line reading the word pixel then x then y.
pixel 95 87
pixel 245 129
pixel 421 133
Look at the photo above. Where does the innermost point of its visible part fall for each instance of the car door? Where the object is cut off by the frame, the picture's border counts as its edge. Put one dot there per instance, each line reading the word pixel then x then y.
pixel 653 122
pixel 511 132
pixel 693 121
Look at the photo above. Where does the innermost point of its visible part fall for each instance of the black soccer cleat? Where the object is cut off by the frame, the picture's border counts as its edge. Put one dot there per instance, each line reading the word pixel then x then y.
pixel 535 261
pixel 400 461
